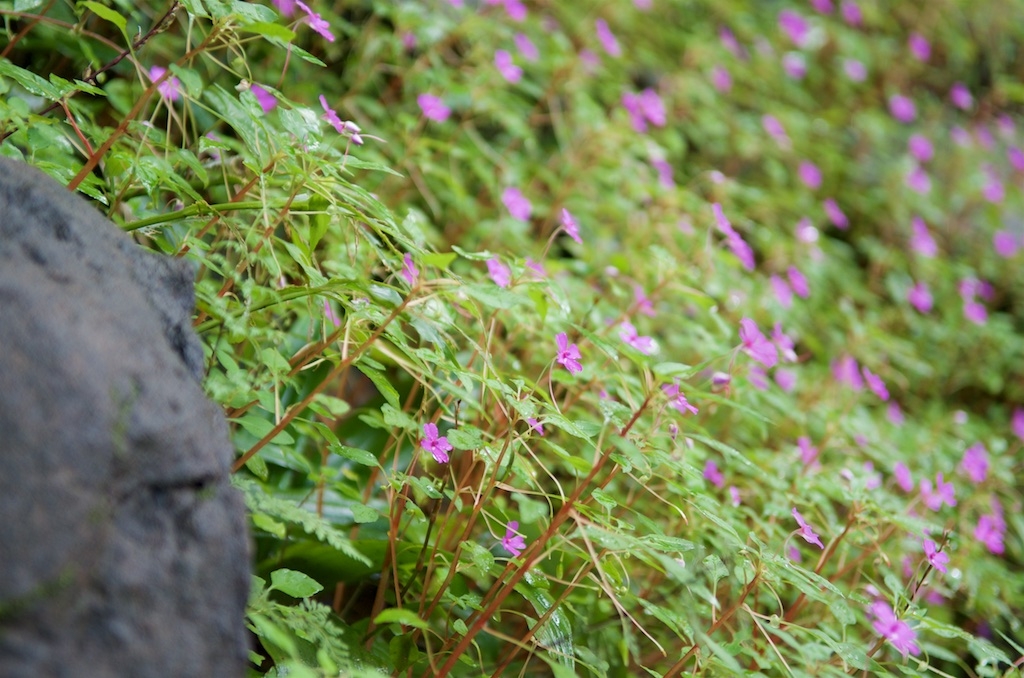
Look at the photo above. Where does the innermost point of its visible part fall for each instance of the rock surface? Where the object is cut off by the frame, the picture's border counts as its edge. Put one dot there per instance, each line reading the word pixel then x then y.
pixel 123 547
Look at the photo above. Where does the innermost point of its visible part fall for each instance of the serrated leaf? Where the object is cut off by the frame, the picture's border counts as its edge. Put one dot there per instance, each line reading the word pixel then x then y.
pixel 293 583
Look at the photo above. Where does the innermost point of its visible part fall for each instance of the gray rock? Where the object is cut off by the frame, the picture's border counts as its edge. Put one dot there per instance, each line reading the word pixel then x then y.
pixel 123 547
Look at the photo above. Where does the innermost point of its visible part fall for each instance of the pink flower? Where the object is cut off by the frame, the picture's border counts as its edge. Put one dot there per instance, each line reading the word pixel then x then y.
pixel 960 136
pixel 835 215
pixel 642 302
pixel 570 226
pixel 920 147
pixel 734 240
pixel 823 6
pixel 919 46
pixel 920 297
pixel 169 89
pixel 775 130
pixel 516 10
pixel 990 531
pixel 643 5
pixel 607 38
pixel 943 493
pixel 918 180
pixel 664 169
pixel 677 400
pixel 756 345
pixel 1016 158
pixel 894 414
pixel 1017 422
pixel 798 282
pixel 961 96
pixel 535 425
pixel 512 542
pixel 734 495
pixel 810 175
pixel 265 99
pixel 794 26
pixel 903 477
pixel 628 334
pixel 568 355
pixel 316 22
pixel 794 64
pixel 786 379
pixel 499 272
pixel 507 68
pixel 286 7
pixel 846 371
pixel 902 108
pixel 409 270
pixel 783 293
pixel 975 312
pixel 439 447
pixel 806 532
pixel 892 629
pixel 921 241
pixel 713 475
pixel 517 204
pixel 526 48
pixel 808 452
pixel 433 107
pixel 784 342
pixel 993 190
pixel 331 116
pixel 875 383
pixel 851 13
pixel 975 463
pixel 330 314
pixel 855 70
pixel 720 78
pixel 728 40
pixel 652 107
pixel 805 231
pixel 1005 243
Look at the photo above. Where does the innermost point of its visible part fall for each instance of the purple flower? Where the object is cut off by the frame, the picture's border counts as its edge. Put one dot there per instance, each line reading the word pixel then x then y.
pixel 784 342
pixel 990 531
pixel 169 89
pixel 642 303
pixel 607 38
pixel 975 463
pixel 265 99
pixel 918 180
pixel 894 414
pixel 786 379
pixel 783 293
pixel 943 493
pixel 756 345
pixel 734 240
pixel 993 190
pixel 794 64
pixel 823 6
pixel 920 147
pixel 535 425
pixel 713 475
pixel 921 241
pixel 330 314
pixel 835 215
pixel 628 334
pixel 526 48
pixel 903 477
pixel 729 41
pixel 875 383
pixel 892 629
pixel 568 355
pixel 846 371
pixel 507 68
pixel 499 272
pixel 775 130
pixel 439 447
pixel 855 70
pixel 805 230
pixel 331 116
pixel 805 530
pixel 794 26
pixel 652 107
pixel 961 96
pixel 734 495
pixel 919 46
pixel 286 7
pixel 677 400
pixel 808 452
pixel 664 169
pixel 975 312
pixel 570 226
pixel 409 270
pixel 798 282
pixel 851 13
pixel 433 107
pixel 960 136
pixel 516 10
pixel 920 297
pixel 517 204
pixel 1016 158
pixel 720 78
pixel 1005 243
pixel 512 542
pixel 1017 422
pixel 316 22
pixel 902 108
pixel 810 175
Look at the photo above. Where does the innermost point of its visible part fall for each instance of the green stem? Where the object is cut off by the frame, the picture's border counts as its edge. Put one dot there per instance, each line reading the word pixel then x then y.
pixel 202 209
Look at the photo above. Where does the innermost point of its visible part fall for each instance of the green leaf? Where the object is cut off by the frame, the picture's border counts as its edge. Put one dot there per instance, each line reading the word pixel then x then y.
pixel 402 616
pixel 294 584
pixel 355 454
pixel 108 14
pixel 364 514
pixel 465 438
pixel 270 30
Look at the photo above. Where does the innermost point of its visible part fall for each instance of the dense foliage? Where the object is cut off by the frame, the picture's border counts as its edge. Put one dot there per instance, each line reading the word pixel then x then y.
pixel 584 338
